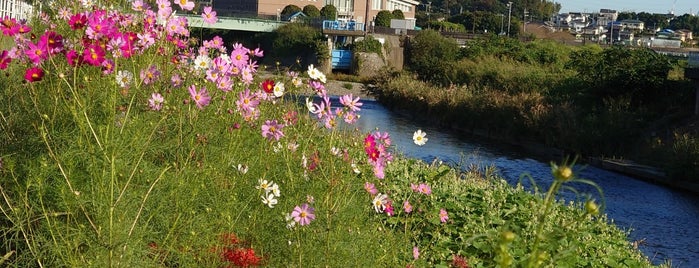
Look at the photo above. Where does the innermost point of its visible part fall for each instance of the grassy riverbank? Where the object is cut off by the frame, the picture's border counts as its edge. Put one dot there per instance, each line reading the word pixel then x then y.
pixel 612 103
pixel 149 153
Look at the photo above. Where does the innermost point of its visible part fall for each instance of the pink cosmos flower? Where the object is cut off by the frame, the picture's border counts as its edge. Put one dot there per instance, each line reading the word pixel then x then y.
pixel 239 57
pixel 9 26
pixel 34 74
pixel 4 60
pixel 389 208
pixel 272 130
pixel 424 189
pixel 107 66
pixel 94 54
pixel 201 98
pixel 303 214
pixel 443 215
pixel 77 21
pixel 186 4
pixel 416 253
pixel 246 101
pixel 370 188
pixel 209 16
pixel 257 52
pixel 53 40
pixel 176 80
pixel 139 5
pixel 74 58
pixel 150 75
pixel 156 101
pixel 37 52
pixel 407 207
pixel 352 103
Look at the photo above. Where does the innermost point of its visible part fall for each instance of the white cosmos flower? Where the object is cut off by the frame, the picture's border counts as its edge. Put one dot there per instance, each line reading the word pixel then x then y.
pixel 315 74
pixel 242 168
pixel 310 106
pixel 124 78
pixel 379 202
pixel 275 190
pixel 278 89
pixel 355 169
pixel 269 200
pixel 419 137
pixel 264 185
pixel 202 62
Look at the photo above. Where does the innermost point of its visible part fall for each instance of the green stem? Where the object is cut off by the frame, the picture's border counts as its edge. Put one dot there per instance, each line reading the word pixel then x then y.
pixel 548 201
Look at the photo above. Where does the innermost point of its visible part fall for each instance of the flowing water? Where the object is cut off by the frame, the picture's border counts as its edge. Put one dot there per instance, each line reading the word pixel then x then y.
pixel 663 220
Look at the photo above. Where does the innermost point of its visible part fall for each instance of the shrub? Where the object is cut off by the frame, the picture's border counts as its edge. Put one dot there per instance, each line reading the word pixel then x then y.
pixel 311 11
pixel 383 18
pixel 290 10
pixel 328 12
pixel 368 44
pixel 398 14
pixel 297 40
pixel 430 54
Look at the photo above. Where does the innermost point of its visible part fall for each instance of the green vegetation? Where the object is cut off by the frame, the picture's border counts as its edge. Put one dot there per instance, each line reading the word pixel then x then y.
pixel 297 41
pixel 596 102
pixel 368 44
pixel 431 55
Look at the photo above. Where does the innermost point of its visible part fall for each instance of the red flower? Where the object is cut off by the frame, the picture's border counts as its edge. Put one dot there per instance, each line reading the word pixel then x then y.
pixel 34 74
pixel 268 86
pixel 241 257
pixel 369 144
pixel 459 262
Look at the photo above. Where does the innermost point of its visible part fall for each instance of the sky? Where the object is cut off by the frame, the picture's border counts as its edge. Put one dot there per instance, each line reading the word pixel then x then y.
pixel 650 6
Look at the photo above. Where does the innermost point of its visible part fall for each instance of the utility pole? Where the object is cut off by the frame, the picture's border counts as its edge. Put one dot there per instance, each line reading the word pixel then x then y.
pixel 524 21
pixel 509 17
pixel 366 18
pixel 502 24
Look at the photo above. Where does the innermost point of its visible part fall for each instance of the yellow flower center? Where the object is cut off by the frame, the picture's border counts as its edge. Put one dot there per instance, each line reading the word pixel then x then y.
pixel 303 214
pixel 197 97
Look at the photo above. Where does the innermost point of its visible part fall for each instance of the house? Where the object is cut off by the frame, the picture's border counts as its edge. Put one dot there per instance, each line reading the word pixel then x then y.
pixel 687 34
pixel 605 16
pixel 633 25
pixel 346 9
pixel 16 9
pixel 578 25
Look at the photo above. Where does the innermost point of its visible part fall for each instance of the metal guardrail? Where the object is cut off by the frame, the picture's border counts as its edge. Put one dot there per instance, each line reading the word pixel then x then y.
pixel 343 25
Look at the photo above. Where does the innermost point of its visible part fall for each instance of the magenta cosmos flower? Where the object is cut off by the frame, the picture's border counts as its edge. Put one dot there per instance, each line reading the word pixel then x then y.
pixel 272 130
pixel 34 74
pixel 201 98
pixel 303 214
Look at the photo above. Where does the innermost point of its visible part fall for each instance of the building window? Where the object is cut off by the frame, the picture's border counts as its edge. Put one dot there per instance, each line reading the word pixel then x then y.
pixel 376 4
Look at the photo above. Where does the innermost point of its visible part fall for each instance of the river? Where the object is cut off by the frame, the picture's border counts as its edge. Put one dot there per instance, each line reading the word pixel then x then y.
pixel 665 220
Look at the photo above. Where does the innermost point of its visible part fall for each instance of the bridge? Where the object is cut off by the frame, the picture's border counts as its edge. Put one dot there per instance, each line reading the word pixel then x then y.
pixel 237 24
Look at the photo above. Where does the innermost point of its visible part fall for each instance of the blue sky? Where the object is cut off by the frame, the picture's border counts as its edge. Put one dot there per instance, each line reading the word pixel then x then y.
pixel 650 6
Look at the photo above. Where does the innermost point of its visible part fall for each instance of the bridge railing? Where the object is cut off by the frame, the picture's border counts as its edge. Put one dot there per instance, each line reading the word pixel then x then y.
pixel 343 25
pixel 15 9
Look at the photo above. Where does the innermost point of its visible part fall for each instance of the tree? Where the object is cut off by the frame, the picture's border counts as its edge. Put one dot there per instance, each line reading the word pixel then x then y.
pixel 383 18
pixel 328 12
pixel 290 10
pixel 398 14
pixel 311 11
